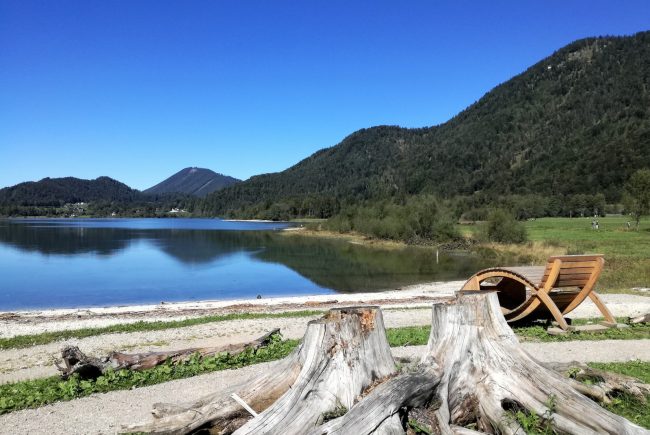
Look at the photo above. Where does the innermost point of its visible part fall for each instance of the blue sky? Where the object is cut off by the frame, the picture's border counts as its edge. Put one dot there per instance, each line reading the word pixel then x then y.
pixel 138 90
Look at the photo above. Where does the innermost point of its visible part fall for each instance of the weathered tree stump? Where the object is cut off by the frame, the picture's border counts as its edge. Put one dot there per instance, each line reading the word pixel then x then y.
pixel 484 373
pixel 472 374
pixel 341 354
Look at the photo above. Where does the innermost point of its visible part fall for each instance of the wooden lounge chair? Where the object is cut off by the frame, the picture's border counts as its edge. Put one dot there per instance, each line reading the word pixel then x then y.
pixel 549 291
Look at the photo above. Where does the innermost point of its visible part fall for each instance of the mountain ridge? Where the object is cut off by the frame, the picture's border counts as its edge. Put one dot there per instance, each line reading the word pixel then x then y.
pixel 59 191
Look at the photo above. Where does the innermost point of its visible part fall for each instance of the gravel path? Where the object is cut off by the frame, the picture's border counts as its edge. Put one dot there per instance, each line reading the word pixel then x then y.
pixel 106 413
pixel 38 361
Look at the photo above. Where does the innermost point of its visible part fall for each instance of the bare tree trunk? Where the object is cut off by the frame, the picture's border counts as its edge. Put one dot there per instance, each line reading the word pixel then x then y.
pixel 471 376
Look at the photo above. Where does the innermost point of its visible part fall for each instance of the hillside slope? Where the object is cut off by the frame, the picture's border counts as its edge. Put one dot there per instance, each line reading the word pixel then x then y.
pixel 192 181
pixel 59 191
pixel 575 122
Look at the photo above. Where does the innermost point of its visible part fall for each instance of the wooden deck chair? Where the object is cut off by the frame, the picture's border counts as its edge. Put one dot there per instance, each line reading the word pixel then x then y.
pixel 549 291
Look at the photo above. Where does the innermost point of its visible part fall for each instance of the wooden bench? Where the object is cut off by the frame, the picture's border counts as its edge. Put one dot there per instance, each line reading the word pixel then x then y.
pixel 549 291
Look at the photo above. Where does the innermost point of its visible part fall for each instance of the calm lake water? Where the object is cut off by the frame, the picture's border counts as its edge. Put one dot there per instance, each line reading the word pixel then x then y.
pixel 46 263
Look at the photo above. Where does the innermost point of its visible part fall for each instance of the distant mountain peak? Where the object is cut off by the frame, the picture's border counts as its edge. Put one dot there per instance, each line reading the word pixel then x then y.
pixel 193 181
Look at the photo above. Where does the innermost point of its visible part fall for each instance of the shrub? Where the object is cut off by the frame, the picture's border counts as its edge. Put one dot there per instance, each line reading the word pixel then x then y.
pixel 501 227
pixel 420 218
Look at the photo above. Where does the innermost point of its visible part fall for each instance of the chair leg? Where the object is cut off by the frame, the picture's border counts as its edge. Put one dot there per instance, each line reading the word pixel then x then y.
pixel 602 307
pixel 555 312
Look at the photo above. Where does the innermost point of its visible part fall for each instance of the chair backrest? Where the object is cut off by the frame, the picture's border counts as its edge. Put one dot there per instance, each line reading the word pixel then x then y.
pixel 576 270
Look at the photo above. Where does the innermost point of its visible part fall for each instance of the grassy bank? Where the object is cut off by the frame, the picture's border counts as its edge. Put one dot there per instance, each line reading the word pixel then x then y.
pixel 21 341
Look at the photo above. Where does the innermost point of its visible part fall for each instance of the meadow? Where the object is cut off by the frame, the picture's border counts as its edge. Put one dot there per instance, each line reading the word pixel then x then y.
pixel 627 251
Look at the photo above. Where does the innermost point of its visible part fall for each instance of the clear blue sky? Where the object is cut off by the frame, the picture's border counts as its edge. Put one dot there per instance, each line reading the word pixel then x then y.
pixel 137 90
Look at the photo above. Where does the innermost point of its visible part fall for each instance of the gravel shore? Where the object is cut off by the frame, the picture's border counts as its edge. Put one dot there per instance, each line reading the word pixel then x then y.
pixel 406 310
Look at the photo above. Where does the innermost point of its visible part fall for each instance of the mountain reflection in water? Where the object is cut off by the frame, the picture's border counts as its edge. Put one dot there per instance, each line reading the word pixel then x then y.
pixel 101 262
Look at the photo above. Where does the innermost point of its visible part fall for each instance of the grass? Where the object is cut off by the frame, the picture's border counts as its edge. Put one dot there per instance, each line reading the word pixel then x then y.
pixel 625 404
pixel 419 335
pixel 39 392
pixel 534 424
pixel 636 369
pixel 538 333
pixel 21 341
pixel 627 252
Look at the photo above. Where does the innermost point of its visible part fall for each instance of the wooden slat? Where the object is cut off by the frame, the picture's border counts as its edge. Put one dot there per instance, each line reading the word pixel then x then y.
pixel 575 258
pixel 578 264
pixel 572 275
pixel 532 273
pixel 564 282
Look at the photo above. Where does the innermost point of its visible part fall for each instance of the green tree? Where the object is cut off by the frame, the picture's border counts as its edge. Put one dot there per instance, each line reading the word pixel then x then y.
pixel 638 194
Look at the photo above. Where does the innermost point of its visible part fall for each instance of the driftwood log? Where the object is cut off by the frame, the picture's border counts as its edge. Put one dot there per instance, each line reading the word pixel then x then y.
pixel 87 367
pixel 601 385
pixel 644 318
pixel 342 380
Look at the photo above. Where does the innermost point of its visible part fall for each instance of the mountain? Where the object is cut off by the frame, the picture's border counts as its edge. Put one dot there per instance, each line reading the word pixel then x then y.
pixel 59 191
pixel 577 122
pixel 193 181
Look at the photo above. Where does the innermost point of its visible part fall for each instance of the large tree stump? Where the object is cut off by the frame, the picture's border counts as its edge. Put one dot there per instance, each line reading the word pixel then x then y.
pixel 472 374
pixel 484 373
pixel 341 354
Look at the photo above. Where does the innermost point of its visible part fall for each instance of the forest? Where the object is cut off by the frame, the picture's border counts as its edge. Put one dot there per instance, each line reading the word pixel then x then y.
pixel 570 131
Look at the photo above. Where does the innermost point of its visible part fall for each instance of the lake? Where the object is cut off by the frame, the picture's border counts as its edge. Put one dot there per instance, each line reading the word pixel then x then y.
pixel 55 263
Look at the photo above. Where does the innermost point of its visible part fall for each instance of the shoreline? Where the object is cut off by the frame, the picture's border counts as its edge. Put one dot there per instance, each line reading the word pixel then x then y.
pixel 434 289
pixel 414 297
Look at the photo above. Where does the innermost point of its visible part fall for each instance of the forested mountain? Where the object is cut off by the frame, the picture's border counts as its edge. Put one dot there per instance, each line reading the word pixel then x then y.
pixel 577 122
pixel 60 191
pixel 193 181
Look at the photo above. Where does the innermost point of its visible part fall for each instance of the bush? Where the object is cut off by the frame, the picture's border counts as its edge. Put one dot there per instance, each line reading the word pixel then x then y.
pixel 501 227
pixel 418 219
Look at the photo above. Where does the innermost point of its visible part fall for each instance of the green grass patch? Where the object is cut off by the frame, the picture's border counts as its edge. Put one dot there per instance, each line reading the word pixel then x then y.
pixel 408 336
pixel 419 335
pixel 630 407
pixel 627 252
pixel 538 333
pixel 625 404
pixel 39 392
pixel 21 341
pixel 637 369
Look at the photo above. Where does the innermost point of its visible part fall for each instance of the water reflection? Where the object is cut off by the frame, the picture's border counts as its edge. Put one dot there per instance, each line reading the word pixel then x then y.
pixel 293 264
